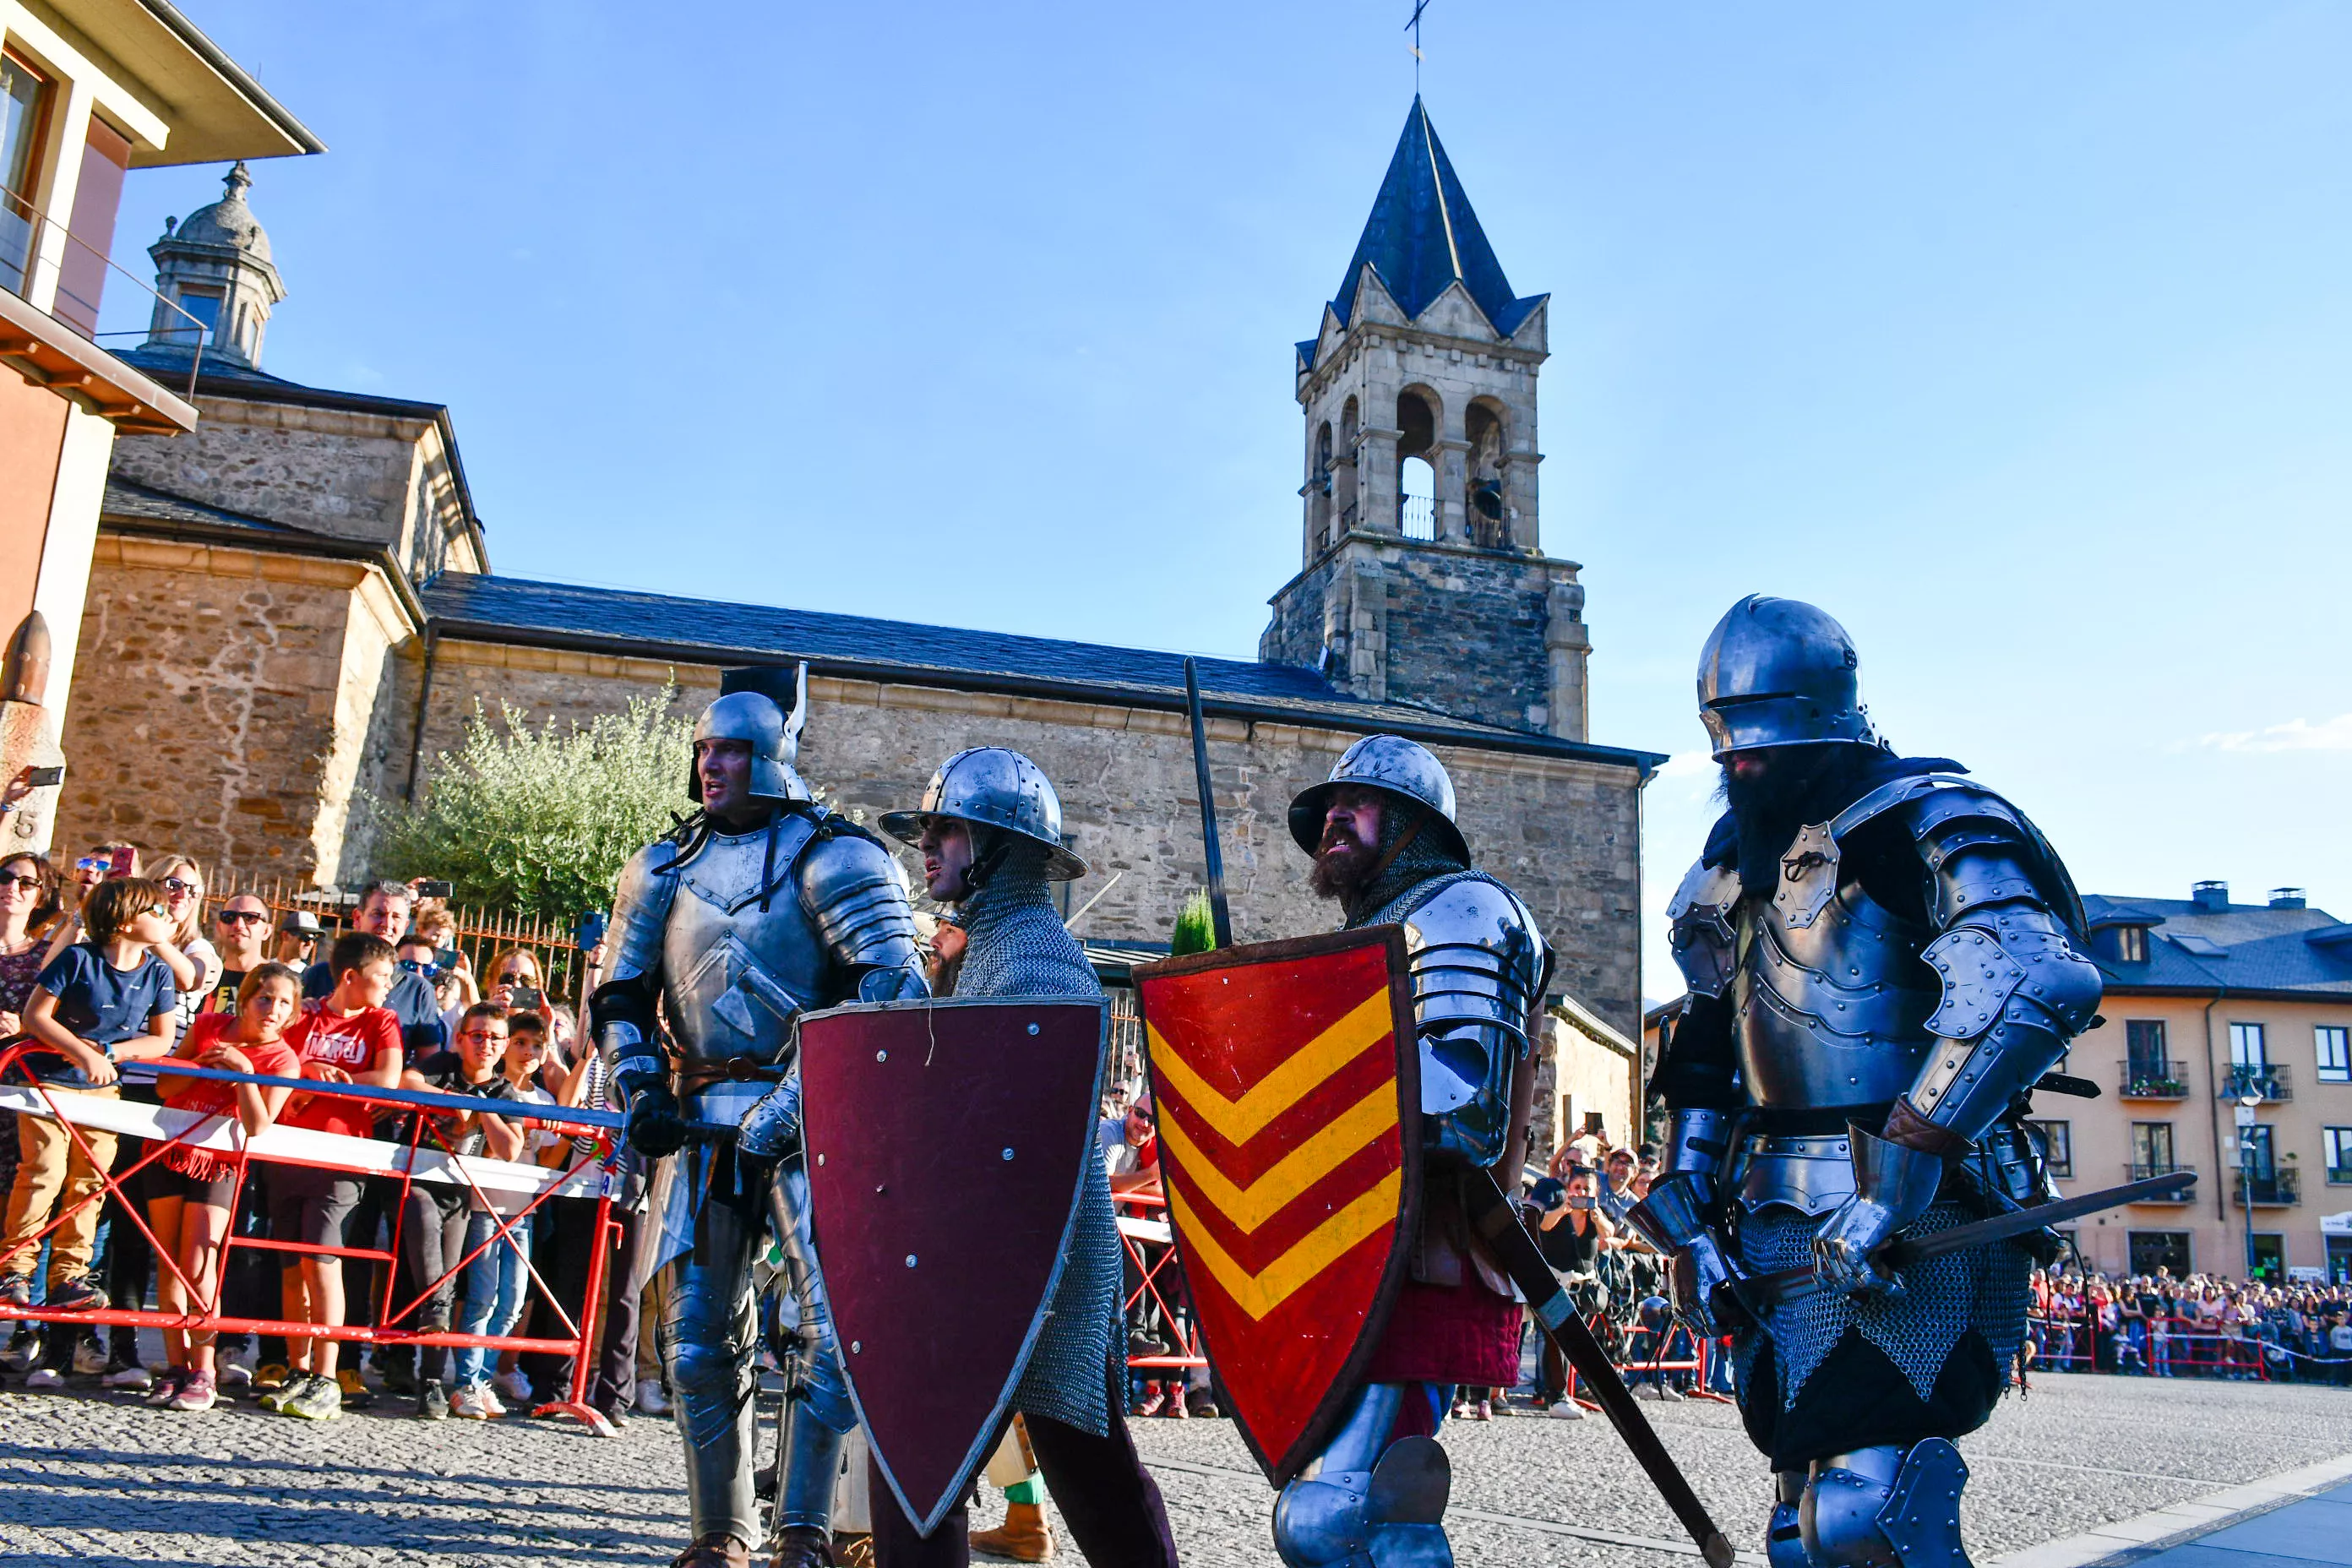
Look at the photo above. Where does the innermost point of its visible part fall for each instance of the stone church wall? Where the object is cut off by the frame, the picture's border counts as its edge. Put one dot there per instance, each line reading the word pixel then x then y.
pixel 1563 832
pixel 210 705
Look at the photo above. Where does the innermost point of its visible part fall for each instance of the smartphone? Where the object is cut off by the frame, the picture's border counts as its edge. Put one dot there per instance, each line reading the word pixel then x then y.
pixel 524 996
pixel 445 958
pixel 125 859
pixel 429 889
pixel 590 930
pixel 45 778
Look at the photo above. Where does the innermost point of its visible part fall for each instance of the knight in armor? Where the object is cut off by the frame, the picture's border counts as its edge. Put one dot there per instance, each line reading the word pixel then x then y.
pixel 989 830
pixel 1883 958
pixel 1381 830
pixel 763 905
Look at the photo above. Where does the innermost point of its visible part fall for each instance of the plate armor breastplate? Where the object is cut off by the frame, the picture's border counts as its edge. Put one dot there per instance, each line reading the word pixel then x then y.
pixel 1829 997
pixel 735 974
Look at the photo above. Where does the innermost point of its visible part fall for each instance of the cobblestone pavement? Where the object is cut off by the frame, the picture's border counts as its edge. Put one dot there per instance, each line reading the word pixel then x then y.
pixel 93 1479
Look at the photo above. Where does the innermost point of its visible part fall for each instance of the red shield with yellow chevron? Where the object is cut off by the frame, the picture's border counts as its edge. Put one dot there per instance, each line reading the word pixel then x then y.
pixel 1281 1074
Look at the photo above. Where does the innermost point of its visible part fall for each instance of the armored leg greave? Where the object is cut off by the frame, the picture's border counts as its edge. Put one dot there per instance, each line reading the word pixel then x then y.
pixel 817 1410
pixel 1369 1502
pixel 1784 1542
pixel 1885 1508
pixel 708 1339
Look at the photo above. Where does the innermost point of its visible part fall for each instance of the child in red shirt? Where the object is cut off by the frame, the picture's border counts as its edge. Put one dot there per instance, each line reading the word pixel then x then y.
pixel 351 1038
pixel 192 1191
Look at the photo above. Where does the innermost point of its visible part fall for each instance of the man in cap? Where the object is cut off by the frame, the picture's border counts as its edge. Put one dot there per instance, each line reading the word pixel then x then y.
pixel 990 829
pixel 1387 849
pixel 1883 958
pixel 762 906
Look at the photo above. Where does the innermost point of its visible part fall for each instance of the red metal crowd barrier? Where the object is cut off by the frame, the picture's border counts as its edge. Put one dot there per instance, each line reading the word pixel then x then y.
pixel 32 1097
pixel 1151 1256
pixel 2170 1346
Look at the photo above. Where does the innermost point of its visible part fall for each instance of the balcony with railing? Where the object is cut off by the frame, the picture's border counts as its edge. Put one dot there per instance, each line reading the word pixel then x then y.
pixel 67 309
pixel 2152 1077
pixel 2266 1080
pixel 1417 515
pixel 2136 1171
pixel 2281 1188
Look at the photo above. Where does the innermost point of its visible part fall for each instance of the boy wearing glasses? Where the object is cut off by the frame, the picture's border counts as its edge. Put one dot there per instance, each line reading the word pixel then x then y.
pixel 107 1001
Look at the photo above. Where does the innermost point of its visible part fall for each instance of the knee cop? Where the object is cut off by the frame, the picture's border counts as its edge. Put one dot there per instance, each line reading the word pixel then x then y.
pixel 1386 1517
pixel 1887 1506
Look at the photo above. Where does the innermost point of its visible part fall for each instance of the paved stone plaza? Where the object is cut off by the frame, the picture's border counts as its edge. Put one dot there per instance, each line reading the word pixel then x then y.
pixel 96 1480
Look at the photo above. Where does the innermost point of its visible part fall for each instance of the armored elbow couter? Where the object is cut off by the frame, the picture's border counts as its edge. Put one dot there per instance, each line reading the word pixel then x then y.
pixel 2014 992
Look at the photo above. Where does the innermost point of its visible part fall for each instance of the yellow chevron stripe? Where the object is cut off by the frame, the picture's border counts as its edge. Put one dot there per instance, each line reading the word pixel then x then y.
pixel 1258 1294
pixel 1239 1121
pixel 1251 1207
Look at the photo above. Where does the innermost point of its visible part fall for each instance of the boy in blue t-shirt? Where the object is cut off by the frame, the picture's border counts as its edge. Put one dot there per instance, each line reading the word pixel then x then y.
pixel 104 1001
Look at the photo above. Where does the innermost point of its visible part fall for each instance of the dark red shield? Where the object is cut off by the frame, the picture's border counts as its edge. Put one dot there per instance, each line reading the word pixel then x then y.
pixel 947 1146
pixel 1287 1079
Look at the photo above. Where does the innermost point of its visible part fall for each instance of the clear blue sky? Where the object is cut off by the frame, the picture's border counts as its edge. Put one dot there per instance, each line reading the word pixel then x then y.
pixel 2017 335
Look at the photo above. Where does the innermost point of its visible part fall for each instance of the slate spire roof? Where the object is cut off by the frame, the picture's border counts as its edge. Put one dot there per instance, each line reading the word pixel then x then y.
pixel 1423 237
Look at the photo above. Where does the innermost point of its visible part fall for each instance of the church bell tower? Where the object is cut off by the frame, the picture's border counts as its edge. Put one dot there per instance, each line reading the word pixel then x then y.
pixel 1422 577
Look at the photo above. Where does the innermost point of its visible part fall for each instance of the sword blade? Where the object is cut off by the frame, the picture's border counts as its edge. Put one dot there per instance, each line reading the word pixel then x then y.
pixel 1220 914
pixel 1788 1283
pixel 1556 1314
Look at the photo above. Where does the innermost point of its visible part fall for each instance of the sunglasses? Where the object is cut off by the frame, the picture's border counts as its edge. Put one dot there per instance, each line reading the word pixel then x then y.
pixel 418 966
pixel 92 863
pixel 241 917
pixel 159 910
pixel 14 879
pixel 174 884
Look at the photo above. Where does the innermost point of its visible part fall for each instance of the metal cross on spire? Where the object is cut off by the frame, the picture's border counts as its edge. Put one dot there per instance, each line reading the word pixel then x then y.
pixel 1413 26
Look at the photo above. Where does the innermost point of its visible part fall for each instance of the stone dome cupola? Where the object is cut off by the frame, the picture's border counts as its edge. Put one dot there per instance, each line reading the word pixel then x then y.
pixel 216 269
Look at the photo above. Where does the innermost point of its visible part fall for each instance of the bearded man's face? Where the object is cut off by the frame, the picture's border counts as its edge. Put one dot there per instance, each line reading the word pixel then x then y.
pixel 1350 844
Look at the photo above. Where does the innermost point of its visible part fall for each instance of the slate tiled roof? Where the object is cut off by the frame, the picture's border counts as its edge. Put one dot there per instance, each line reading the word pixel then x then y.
pixel 2255 948
pixel 714 632
pixel 1423 236
pixel 124 497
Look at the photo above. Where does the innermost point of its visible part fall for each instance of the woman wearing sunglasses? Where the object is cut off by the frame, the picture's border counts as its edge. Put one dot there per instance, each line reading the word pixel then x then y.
pixel 194 962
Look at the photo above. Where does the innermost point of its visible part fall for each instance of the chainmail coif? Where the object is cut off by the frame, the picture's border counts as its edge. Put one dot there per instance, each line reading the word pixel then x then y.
pixel 1017 946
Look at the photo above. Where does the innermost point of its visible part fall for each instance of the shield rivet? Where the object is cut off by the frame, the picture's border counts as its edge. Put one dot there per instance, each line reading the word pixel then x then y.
pixel 910 1260
pixel 1008 1153
pixel 1032 1029
pixel 856 1347
pixel 820 1159
pixel 881 1056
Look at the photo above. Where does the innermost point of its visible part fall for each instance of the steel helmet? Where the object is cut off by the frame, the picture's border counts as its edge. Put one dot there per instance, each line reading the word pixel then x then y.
pixel 774 740
pixel 1779 673
pixel 993 787
pixel 1394 765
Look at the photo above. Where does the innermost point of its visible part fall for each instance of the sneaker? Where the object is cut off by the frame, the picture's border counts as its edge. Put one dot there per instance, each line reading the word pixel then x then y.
pixel 1668 1393
pixel 490 1400
pixel 77 1296
pixel 316 1399
pixel 1485 1411
pixel 89 1357
pixel 197 1391
pixel 399 1378
pixel 16 1291
pixel 514 1386
pixel 232 1375
pixel 1566 1410
pixel 275 1396
pixel 652 1398
pixel 274 1377
pixel 616 1416
pixel 353 1392
pixel 467 1405
pixel 167 1387
pixel 431 1403
pixel 1153 1402
pixel 44 1378
pixel 24 1348
pixel 127 1374
pixel 1200 1402
pixel 1177 1406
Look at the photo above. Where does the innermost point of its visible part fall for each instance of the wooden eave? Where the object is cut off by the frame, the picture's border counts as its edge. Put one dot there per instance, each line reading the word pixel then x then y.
pixel 48 353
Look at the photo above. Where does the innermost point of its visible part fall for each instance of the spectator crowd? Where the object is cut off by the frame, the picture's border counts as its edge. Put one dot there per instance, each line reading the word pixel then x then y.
pixel 114 965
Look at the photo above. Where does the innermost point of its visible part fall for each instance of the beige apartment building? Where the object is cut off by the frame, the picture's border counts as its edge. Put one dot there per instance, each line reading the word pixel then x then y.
pixel 2224 1046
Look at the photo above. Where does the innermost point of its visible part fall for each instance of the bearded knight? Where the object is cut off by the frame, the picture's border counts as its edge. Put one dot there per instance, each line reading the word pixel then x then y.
pixel 1882 959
